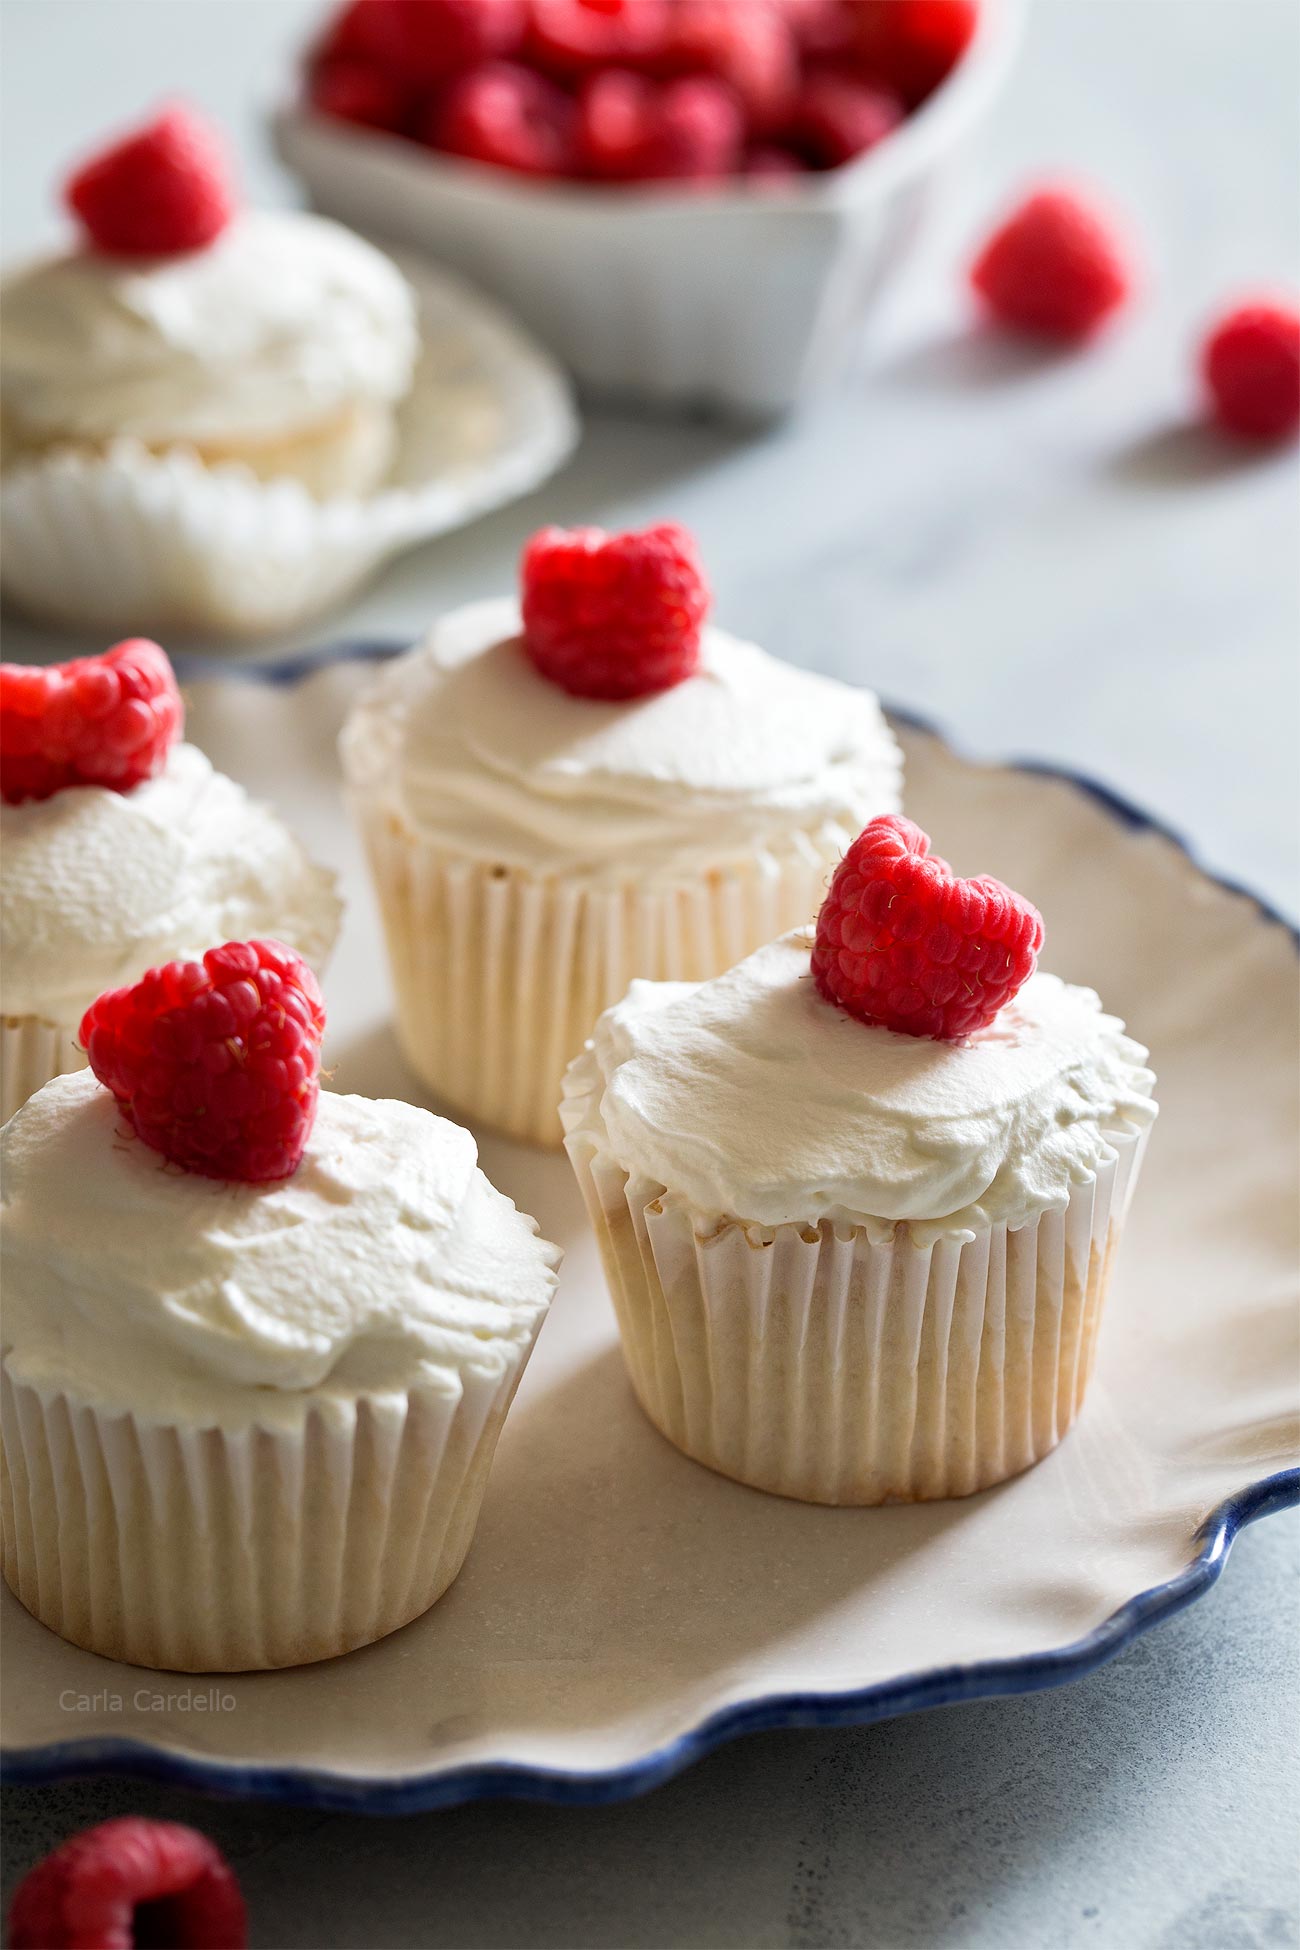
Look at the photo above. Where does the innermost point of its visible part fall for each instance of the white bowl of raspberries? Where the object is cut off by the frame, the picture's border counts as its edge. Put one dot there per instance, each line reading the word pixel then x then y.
pixel 691 201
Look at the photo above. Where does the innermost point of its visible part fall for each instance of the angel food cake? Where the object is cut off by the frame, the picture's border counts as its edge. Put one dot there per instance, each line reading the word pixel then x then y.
pixel 560 795
pixel 285 1326
pixel 274 339
pixel 120 847
pixel 858 1199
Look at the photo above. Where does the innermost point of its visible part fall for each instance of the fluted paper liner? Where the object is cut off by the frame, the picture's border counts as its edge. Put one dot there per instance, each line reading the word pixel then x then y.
pixel 811 1362
pixel 32 1051
pixel 208 1550
pixel 499 975
pixel 129 539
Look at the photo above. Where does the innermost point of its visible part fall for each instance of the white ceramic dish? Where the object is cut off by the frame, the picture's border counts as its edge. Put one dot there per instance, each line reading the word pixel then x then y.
pixel 135 541
pixel 740 300
pixel 623 1609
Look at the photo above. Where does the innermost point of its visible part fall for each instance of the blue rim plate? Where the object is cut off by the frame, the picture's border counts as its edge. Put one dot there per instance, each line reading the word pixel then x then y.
pixel 910 1693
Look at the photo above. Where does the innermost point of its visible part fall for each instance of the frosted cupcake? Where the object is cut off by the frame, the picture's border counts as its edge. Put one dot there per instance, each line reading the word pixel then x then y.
pixel 557 799
pixel 249 1404
pixel 276 340
pixel 859 1199
pixel 121 847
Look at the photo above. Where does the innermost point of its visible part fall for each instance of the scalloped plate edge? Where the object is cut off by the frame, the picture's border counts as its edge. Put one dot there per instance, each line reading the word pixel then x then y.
pixel 911 1693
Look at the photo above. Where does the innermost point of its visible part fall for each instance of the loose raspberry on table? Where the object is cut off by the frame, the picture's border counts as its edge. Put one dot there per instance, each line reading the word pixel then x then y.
pixel 109 720
pixel 901 942
pixel 164 189
pixel 507 116
pixel 422 43
pixel 576 37
pixel 128 1882
pixel 1058 265
pixel 353 90
pixel 838 117
pixel 216 1063
pixel 1250 363
pixel 613 616
pixel 749 47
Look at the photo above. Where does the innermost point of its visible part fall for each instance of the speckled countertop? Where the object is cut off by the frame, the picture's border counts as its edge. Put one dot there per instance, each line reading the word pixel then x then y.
pixel 1042 555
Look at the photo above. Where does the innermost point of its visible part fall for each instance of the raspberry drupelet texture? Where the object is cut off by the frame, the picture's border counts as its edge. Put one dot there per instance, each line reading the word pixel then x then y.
pixel 903 943
pixel 216 1063
pixel 613 616
pixel 165 189
pixel 1251 367
pixel 126 1882
pixel 1057 266
pixel 108 720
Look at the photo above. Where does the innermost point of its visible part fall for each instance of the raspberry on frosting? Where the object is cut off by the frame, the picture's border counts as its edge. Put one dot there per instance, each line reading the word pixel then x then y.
pixel 164 189
pixel 109 720
pixel 216 1063
pixel 613 616
pixel 130 1881
pixel 903 943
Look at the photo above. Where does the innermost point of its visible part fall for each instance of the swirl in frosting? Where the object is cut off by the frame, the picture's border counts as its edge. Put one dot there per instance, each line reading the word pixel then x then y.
pixel 97 886
pixel 469 747
pixel 387 1261
pixel 282 322
pixel 754 1099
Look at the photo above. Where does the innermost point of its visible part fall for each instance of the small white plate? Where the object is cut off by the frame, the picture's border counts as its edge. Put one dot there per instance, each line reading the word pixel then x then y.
pixel 135 541
pixel 623 1609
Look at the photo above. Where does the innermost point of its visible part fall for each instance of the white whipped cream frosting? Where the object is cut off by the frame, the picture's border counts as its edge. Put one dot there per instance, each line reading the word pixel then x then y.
pixel 754 1099
pixel 280 323
pixel 470 748
pixel 97 886
pixel 387 1261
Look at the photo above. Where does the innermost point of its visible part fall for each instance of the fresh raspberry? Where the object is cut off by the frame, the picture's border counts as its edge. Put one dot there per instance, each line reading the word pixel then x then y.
pixel 358 91
pixel 748 46
pixel 902 943
pixel 422 43
pixel 216 1063
pixel 127 1882
pixel 839 117
pixel 696 134
pixel 613 616
pixel 508 116
pixel 615 109
pixel 109 720
pixel 1057 266
pixel 912 45
pixel 823 29
pixel 1251 366
pixel 165 189
pixel 632 129
pixel 575 37
pixel 772 164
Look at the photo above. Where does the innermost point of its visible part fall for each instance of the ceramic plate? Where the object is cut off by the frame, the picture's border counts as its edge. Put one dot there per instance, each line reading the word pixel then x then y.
pixel 622 1609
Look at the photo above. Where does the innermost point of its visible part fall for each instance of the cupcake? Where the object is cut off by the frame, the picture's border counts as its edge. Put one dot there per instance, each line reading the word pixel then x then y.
pixel 560 796
pixel 121 847
pixel 271 339
pixel 859 1199
pixel 259 1344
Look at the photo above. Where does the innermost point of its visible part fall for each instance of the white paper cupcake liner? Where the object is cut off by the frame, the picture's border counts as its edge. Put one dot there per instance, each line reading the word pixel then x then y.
pixel 807 1361
pixel 499 975
pixel 131 540
pixel 205 1550
pixel 32 1051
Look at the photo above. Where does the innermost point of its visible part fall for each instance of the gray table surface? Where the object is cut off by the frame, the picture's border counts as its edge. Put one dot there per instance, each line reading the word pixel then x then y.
pixel 1047 556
